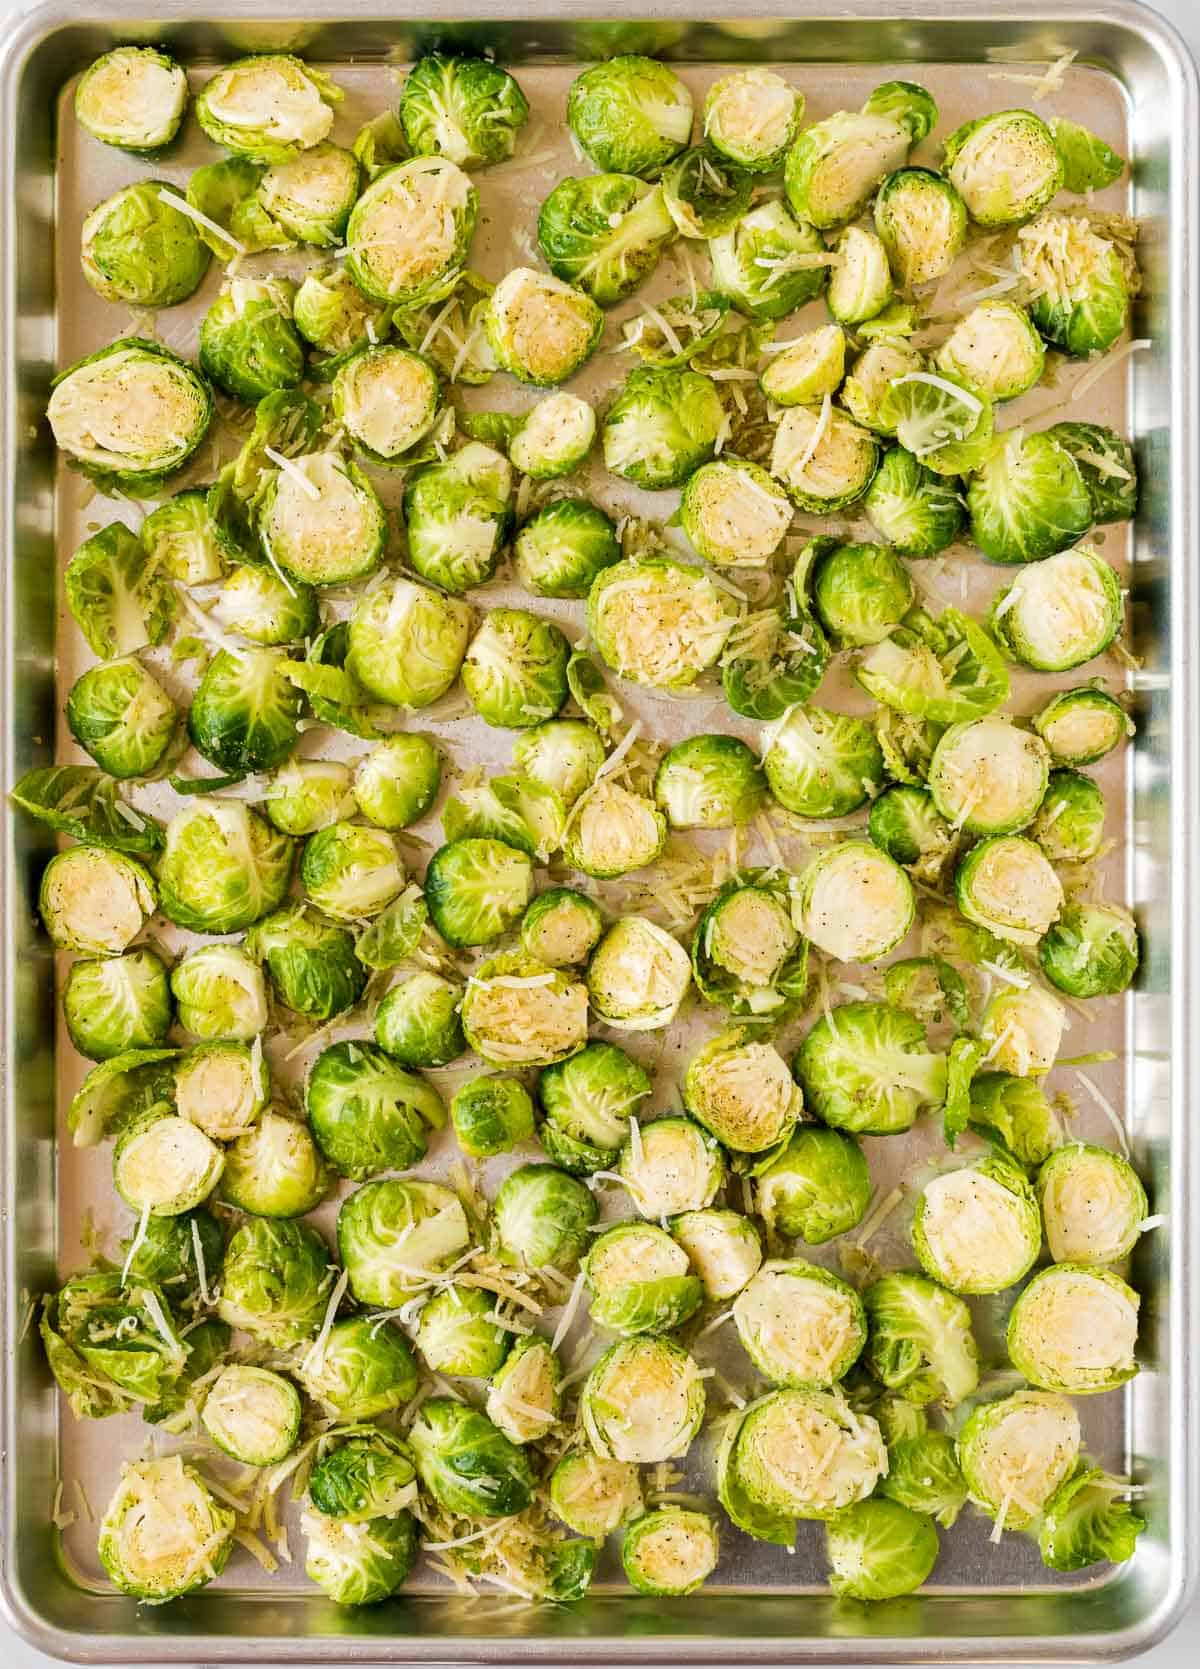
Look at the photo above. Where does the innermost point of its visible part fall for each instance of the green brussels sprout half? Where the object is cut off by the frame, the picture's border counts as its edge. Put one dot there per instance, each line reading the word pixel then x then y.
pixel 137 247
pixel 359 1563
pixel 476 889
pixel 178 539
pixel 978 1229
pixel 995 350
pixel 905 824
pixel 561 927
pixel 407 642
pixel 866 390
pixel 834 165
pixel 133 97
pixel 163 1534
pixel 750 118
pixel 1107 465
pixel 592 1098
pixel 740 1089
pixel 276 1281
pixel 523 1398
pixel 464 108
pixel 1023 1030
pixel 710 782
pixel 670 1165
pixel 802 371
pixel 747 956
pixel 95 901
pixel 928 988
pixel 365 1368
pixel 703 194
pixel 734 514
pixel 867 1068
pixel 457 1334
pixel 417 1022
pixel 305 795
pixel 816 1188
pixel 1080 284
pixel 179 1255
pixel 311 195
pixel 595 1496
pixel 670 1551
pixel 630 114
pixel 458 516
pixel 490 1115
pixel 387 399
pixel 1093 1204
pixel 859 592
pixel 515 669
pixel 1092 950
pixel 112 1004
pixel 229 214
pixel 860 282
pixel 102 1371
pixel 410 231
pixel 369 1475
pixel 821 764
pixel 1088 163
pixel 988 777
pixel 638 976
pixel 563 546
pixel 1069 826
pixel 661 427
pixel 1028 500
pixel 392 936
pixel 554 438
pixel 393 1235
pixel 772 661
pixel 128 416
pixel 252 1414
pixel 350 870
pixel 513 809
pixel 1005 166
pixel 367 1113
pixel 1086 1524
pixel 1016 1113
pixel 917 511
pixel 922 223
pixel 121 1091
pixel 1006 884
pixel 800 1325
pixel 259 604
pixel 542 329
pixel 334 317
pixel 244 713
pixel 397 782
pixel 879 1549
pixel 1015 1452
pixel 825 460
pixel 541 1216
pixel 321 521
pixel 924 1476
pixel 769 263
pixel 907 744
pixel 220 993
pixel 222 1087
pixel 268 108
pixel 854 902
pixel 274 1169
pixel 919 1340
pixel 725 1249
pixel 642 1402
pixel 659 622
pixel 804 1454
pixel 248 343
pixel 940 420
pixel 467 1464
pixel 910 104
pixel 942 671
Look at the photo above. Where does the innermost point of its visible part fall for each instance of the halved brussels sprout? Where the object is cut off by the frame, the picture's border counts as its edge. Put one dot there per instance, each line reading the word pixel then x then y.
pixel 816 1188
pixel 916 510
pixel 311 195
pixel 523 1398
pixel 822 764
pixel 101 1370
pixel 773 661
pixel 248 343
pixel 740 1089
pixel 919 1341
pixel 867 1068
pixel 1074 1329
pixel 995 350
pixel 163 1534
pixel 834 166
pixel 593 1495
pixel 563 546
pixel 367 1476
pixel 351 871
pixel 222 1088
pixel 563 754
pixel 457 1334
pixel 165 1166
pixel 859 592
pixel 709 782
pixel 638 976
pixel 112 1004
pixel 770 263
pixel 1015 1112
pixel 392 936
pixel 467 1464
pixel 137 247
pixel 368 1114
pixel 417 1022
pixel 234 222
pixel 410 231
pixel 540 328
pixel 746 954
pixel 512 809
pixel 928 988
pixel 276 1281
pixel 661 427
pixel 223 867
pixel 805 369
pixel 724 1247
pixel 860 281
pixel 1069 826
pixel 407 642
pixel 1014 1454
pixel 260 604
pixel 905 824
pixel 879 1550
pixel 800 1325
pixel 941 671
pixel 321 521
pixel 133 97
pixel 490 1115
pixel 750 117
pixel 554 438
pixel 268 108
pixel 244 713
pixel 309 794
pixel 867 389
pixel 394 1235
pixel 988 777
pixel 854 902
pixel 734 514
pixel 365 1368
pixel 221 993
pixel 461 107
pixel 1023 1030
pixel 541 1216
pixel 274 1169
pixel 1079 285
pixel 1093 1204
pixel 1107 465
pixel 179 540
pixel 95 901
pixel 515 669
pixel 1085 1523
pixel 589 1101
pixel 172 1254
pixel 333 315
pixel 1005 166
pixel 908 103
pixel 799 1454
pixel 1088 163
pixel 922 222
pixel 639 1280
pixel 907 744
pixel 359 1563
pixel 1028 500
pixel 670 1165
pixel 387 399
pixel 643 1401
pixel 561 927
pixel 704 196
pixel 252 1414
pixel 670 1551
pixel 518 1013
pixel 825 460
pixel 476 889
pixel 1006 884
pixel 659 622
pixel 924 1475
pixel 1092 950
pixel 603 235
pixel 977 1229
pixel 630 114
pixel 939 420
pixel 128 416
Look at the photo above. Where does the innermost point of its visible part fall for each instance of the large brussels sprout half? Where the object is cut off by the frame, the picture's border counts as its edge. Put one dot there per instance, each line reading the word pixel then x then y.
pixel 248 343
pixel 311 195
pixel 978 1229
pixel 800 1325
pixel 1079 283
pixel 312 964
pixel 638 975
pixel 523 1398
pixel 802 371
pixel 244 713
pixel 252 1414
pixel 364 1368
pixel 640 1280
pixel 133 97
pixel 770 263
pixel 95 901
pixel 734 513
pixel 1005 167
pixel 163 1534
pixel 476 888
pixel 724 1247
pixel 866 1067
pixel 747 956
pixel 541 1216
pixel 659 622
pixel 860 592
pixel 879 1549
pixel 518 1013
pixel 825 460
pixel 1007 885
pixel 835 165
pixel 369 1475
pixel 922 222
pixel 750 118
pixel 1028 500
pixel 593 1495
pixel 817 1188
pixel 740 1089
pixel 662 426
pixel 393 1235
pixel 1092 950
pixel 613 831
pixel 515 669
pixel 461 107
pixel 1093 1204
pixel 351 870
pixel 112 1004
pixel 860 283
pixel 130 415
pixel 137 247
pixel 1086 1522
pixel 397 782
pixel 542 329
pixel 799 1454
pixel 941 671
pixel 670 1551
pixel 988 777
pixel 359 1563
pixel 920 1342
pixel 467 1464
pixel 820 763
pixel 630 114
pixel 407 642
pixel 1014 1454
pixel 563 546
pixel 854 902
pixel 410 231
pixel 165 1166
pixel 268 108
pixel 1074 1329
pixel 995 350
pixel 457 1333
pixel 276 1281
pixel 220 993
pixel 320 520
pixel 368 1114
pixel 221 1087
pixel 670 1165
pixel 643 1401
pixel 457 517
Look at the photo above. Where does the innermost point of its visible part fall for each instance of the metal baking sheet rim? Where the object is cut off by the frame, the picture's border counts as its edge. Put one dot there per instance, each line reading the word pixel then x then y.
pixel 165 1640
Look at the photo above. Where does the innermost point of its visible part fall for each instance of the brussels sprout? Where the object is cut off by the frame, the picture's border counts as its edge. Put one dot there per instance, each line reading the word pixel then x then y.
pixel 306 795
pixel 407 642
pixel 977 1229
pixel 351 871
pixel 137 247
pixel 1069 826
pixel 221 1087
pixel 709 782
pixel 704 196
pixel 464 108
pixel 638 976
pixel 860 592
pixel 456 1332
pixel 1028 500
pixel 367 1113
pixel 1005 166
pixel 1088 163
pixel 128 416
pixel 476 889
pixel 773 661
pixel 101 1370
pixel 1107 465
pixel 563 754
pixel 268 108
pixel 561 927
pixel 589 1101
pixel 275 1169
pixel 393 1235
pixel 180 1255
pixel 359 1563
pixel 518 1013
pixel 643 1402
pixel 659 622
pixel 943 671
pixel 554 438
pixel 825 461
pixel 259 604
pixel 802 1454
pixel 448 329
pixel 542 329
pixel 734 514
pixel 750 117
pixel 244 712
pixel 562 548
pixel 1015 1453
pixel 907 743
pixel 120 1092
pixel 541 1216
pixel 928 988
pixel 1079 283
pixel 724 1247
pixel 854 902
pixel 631 114
pixel 490 1115
pixel 860 283
pixel 179 540
pixel 248 343
pixel 800 1325
pixel 916 510
pixel 365 1368
pixel 908 103
pixel 95 901
pixel 115 1003
pixel 332 315
pixel 369 1475
pixel 822 764
pixel 457 516
pixel 1085 1524
pixel 924 1476
pixel 939 420
pixel 996 351
pixel 221 993
pixel 661 427
pixel 391 937
pixel 746 954
pixel 467 1464
pixel 510 809
pixel 1006 884
pixel 235 222
pixel 387 399
pixel 163 1534
pixel 834 166
pixel 410 231
pixel 523 1398
pixel 417 1022
pixel 1015 1112
pixel 670 1551
pixel 770 263
pixel 515 669
pixel 670 1165
pixel 311 195
pixel 741 1091
pixel 276 1281
pixel 988 777
pixel 252 1414
pixel 817 1187
pixel 879 1549
pixel 595 1496
pixel 866 1067
pixel 321 521
pixel 1023 1029
pixel 807 368
pixel 905 824
pixel 867 389
pixel 919 1340
pixel 1093 1204
pixel 922 223
pixel 133 97
pixel 1092 950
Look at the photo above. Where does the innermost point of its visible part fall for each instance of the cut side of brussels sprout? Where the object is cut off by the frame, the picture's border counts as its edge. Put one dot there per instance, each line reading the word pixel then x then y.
pixel 631 114
pixel 268 108
pixel 476 889
pixel 867 1068
pixel 461 107
pixel 540 328
pixel 1015 1453
pixel 554 438
pixel 854 902
pixel 387 399
pixel 333 316
pixel 456 1333
pixel 163 1534
pixel 407 642
pixel 95 901
pixel 515 669
pixel 222 1088
pixel 364 1369
pixel 1074 1329
pixel 1078 282
pixel 825 460
pixel 671 1165
pixel 1023 1030
pixel 643 1402
pixel 835 165
pixel 800 1325
pixel 115 1003
pixel 130 415
pixel 321 521
pixel 1028 500
pixel 1061 612
pixel 638 976
pixel 221 993
pixel 518 1013
pixel 922 222
pixel 260 604
pixel 734 514
pixel 807 368
pixel 523 1396
pixel 562 927
pixel 770 263
pixel 166 1165
pixel 1006 884
pixel 1005 167
pixel 1093 1204
pixel 817 1188
pixel 879 1550
pixel 252 1414
pixel 806 1454
pixel 393 1235
pixel 747 956
pixel 359 1564
pixel 309 794
pixel 368 1114
pixel 351 871
pixel 640 1280
pixel 750 117
pixel 670 1551
pixel 274 1169
pixel 595 1496
pixel 563 546
pixel 995 350
pixel 977 1229
pixel 988 777
pixel 740 1090
pixel 821 764
pixel 866 392
pixel 133 97
pixel 724 1247
pixel 311 195
pixel 137 247
pixel 919 1341
pixel 410 231
pixel 662 426
pixel 659 622
pixel 860 283
pixel 917 511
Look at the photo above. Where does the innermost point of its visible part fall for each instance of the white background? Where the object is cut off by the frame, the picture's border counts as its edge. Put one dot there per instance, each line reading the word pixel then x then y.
pixel 1182 1650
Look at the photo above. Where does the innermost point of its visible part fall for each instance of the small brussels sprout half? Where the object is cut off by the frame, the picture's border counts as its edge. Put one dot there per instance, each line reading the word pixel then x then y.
pixel 816 1188
pixel 220 993
pixel 244 713
pixel 222 1088
pixel 860 282
pixel 659 622
pixel 854 902
pixel 710 782
pixel 670 1551
pixel 724 1247
pixel 834 165
pixel 518 1013
pixel 867 1068
pixel 662 426
pixel 977 1229
pixel 165 1166
pixel 642 1402
pixel 274 1169
pixel 511 809
pixel 128 416
pixel 410 231
pixel 1093 1204
pixel 750 118
pixel 476 889
pixel 137 247
pixel 1028 500
pixel 866 391
pixel 542 329
pixel 919 1341
pixel 747 956
pixel 940 420
pixel 938 671
pixel 802 1454
pixel 276 1281
pixel 367 1113
pixel 258 604
pixel 1107 465
pixel 859 592
pixel 268 108
pixel 905 824
pixel 907 743
pixel 103 1371
pixel 589 1101
pixel 461 107
pixel 179 540
pixel 630 114
pixel 309 794
pixel 807 368
pixel 311 195
pixel 252 1414
pixel 133 97
pixel 1088 163
pixel 595 1496
pixel 740 1089
pixel 523 1398
pixel 515 669
pixel 407 642
pixel 670 1165
pixel 1023 1030
pixel 924 1476
pixel 917 511
pixel 350 870
pixel 1005 166
pixel 820 763
pixel 638 976
pixel 929 989
pixel 1079 283
pixel 393 1235
pixel 1014 1454
pixel 563 546
pixel 369 1475
pixel 417 1022
pixel 541 1216
pixel 880 1550
pixel 387 399
pixel 562 927
pixel 554 438
pixel 1092 950
pixel 1069 826
pixel 988 777
pixel 1085 1522
pixel 563 754
pixel 604 235
pixel 334 317
pixel 734 514
pixel 800 1325
pixel 359 1563
pixel 115 1003
pixel 456 1332
pixel 1015 1112
pixel 995 350
pixel 922 222
pixel 769 263
pixel 773 661
pixel 248 343
pixel 235 222
pixel 163 1534
pixel 467 1464
pixel 1006 884
pixel 95 901
pixel 365 1368
pixel 908 103
pixel 703 194
pixel 825 460
pixel 490 1115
